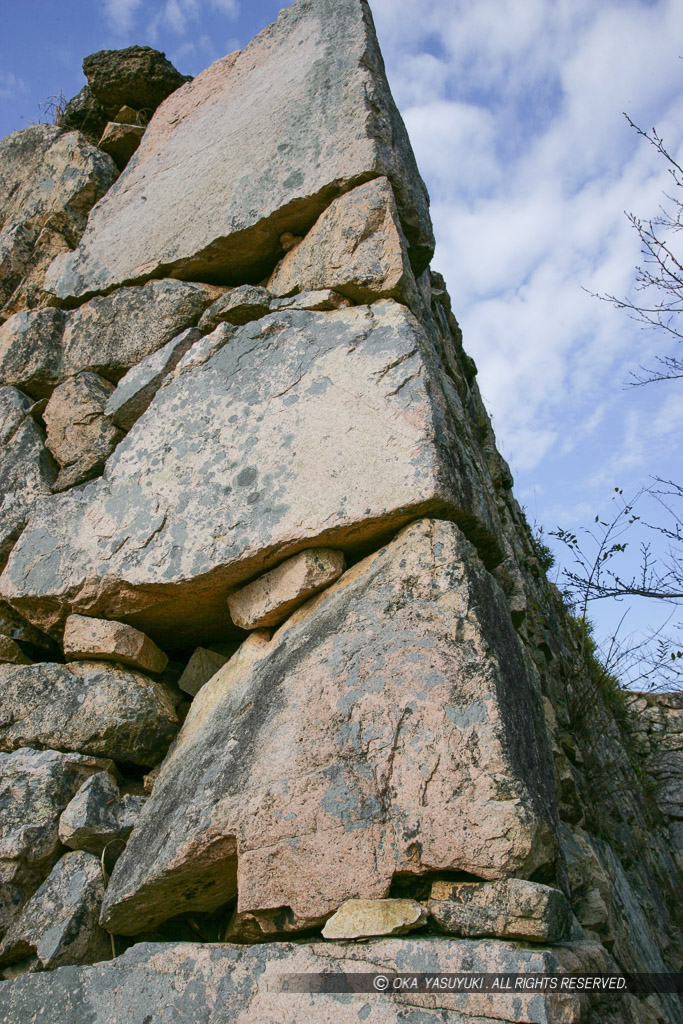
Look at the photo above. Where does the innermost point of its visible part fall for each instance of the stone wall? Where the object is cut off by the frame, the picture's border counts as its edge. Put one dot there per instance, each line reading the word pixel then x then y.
pixel 284 685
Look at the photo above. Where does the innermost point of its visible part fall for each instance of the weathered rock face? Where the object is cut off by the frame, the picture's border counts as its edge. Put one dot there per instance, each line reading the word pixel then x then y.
pixel 200 668
pixel 138 76
pixel 416 763
pixel 203 213
pixel 237 306
pixel 99 818
pixel 510 908
pixel 41 349
pixel 356 247
pixel 236 465
pixel 60 923
pixel 89 707
pixel 35 787
pixel 27 470
pixel 79 435
pixel 223 984
pixel 49 179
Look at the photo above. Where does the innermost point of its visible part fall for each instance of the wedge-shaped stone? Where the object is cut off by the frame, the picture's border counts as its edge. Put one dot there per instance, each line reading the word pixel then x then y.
pixel 49 179
pixel 99 818
pixel 60 923
pixel 27 470
pixel 200 668
pixel 321 300
pixel 35 787
pixel 42 348
pixel 120 141
pixel 86 707
pixel 389 726
pixel 364 919
pixel 100 639
pixel 237 306
pixel 356 247
pixel 138 387
pixel 510 908
pixel 269 599
pixel 309 103
pixel 79 435
pixel 207 983
pixel 304 429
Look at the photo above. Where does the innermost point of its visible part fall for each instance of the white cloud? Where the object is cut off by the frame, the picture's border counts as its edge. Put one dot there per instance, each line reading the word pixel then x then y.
pixel 231 8
pixel 11 86
pixel 119 14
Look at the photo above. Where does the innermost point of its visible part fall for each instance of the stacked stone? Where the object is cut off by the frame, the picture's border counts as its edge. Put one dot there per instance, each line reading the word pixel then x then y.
pixel 273 464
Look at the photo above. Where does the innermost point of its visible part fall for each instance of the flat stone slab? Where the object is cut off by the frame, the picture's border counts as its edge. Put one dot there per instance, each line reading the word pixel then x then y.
pixel 198 983
pixel 364 919
pixel 300 429
pixel 510 908
pixel 101 639
pixel 381 713
pixel 356 247
pixel 270 599
pixel 86 706
pixel 308 103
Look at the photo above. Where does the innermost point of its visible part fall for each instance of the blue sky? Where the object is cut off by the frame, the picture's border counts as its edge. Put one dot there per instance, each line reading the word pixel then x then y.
pixel 515 110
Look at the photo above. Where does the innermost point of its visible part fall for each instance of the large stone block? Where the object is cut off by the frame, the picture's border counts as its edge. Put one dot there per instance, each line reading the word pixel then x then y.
pixel 199 983
pixel 35 787
pixel 49 179
pixel 356 247
pixel 86 706
pixel 303 429
pixel 390 726
pixel 308 103
pixel 110 334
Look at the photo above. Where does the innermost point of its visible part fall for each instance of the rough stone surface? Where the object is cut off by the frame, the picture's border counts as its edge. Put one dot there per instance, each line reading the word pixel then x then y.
pixel 306 771
pixel 325 429
pixel 35 787
pixel 49 179
pixel 42 348
pixel 270 599
pixel 27 470
pixel 237 306
pixel 79 435
pixel 120 141
pixel 11 653
pixel 89 707
pixel 195 983
pixel 98 817
pixel 309 102
pixel 200 668
pixel 12 625
pixel 510 908
pixel 356 247
pixel 137 76
pixel 364 919
pixel 60 922
pixel 100 639
pixel 137 388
